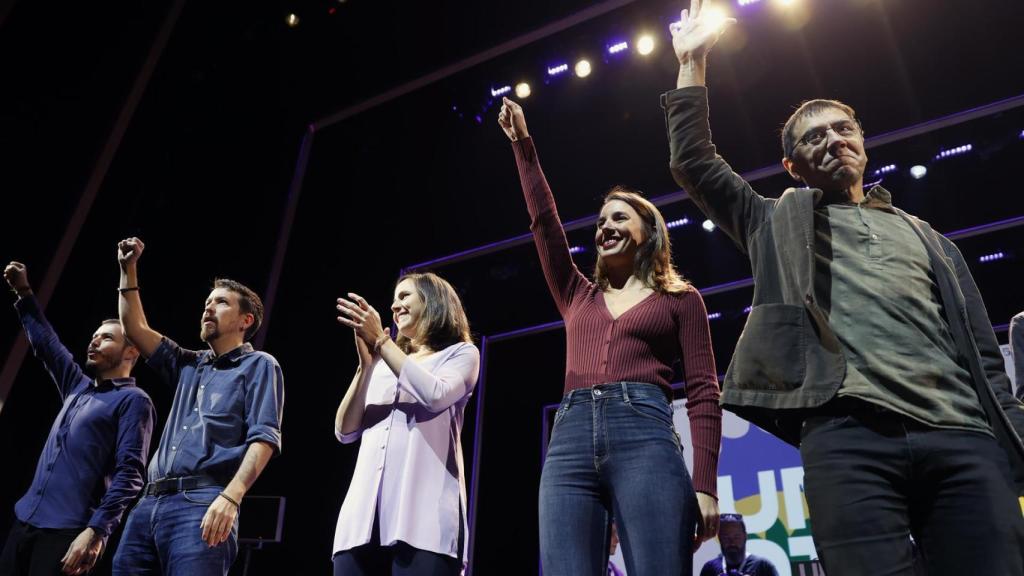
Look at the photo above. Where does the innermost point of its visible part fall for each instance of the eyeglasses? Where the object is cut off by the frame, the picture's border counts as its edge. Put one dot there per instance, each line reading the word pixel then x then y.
pixel 843 128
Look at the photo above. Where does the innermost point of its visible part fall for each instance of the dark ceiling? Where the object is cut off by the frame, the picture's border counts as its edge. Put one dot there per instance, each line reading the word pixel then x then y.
pixel 203 171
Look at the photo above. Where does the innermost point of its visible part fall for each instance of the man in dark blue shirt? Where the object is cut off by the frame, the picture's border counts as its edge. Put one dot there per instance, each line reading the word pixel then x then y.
pixel 224 426
pixel 93 460
pixel 734 560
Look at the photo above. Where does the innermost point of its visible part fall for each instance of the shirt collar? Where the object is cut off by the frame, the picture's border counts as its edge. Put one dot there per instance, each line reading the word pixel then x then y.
pixel 232 356
pixel 115 382
pixel 875 197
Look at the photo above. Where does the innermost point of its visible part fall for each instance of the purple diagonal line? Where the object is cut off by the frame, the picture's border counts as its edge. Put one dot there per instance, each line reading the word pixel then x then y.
pixel 284 234
pixel 474 481
pixel 750 176
pixel 479 58
pixel 92 188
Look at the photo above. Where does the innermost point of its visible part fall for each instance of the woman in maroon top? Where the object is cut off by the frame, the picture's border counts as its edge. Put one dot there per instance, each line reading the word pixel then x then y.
pixel 613 449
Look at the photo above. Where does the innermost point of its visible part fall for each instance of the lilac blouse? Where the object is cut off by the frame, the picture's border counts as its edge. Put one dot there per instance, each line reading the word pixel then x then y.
pixel 410 462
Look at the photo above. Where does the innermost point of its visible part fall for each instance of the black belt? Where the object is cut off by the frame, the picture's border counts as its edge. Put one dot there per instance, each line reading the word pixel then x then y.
pixel 172 485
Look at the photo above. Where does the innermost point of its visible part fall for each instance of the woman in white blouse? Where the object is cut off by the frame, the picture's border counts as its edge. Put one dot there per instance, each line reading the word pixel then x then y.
pixel 405 511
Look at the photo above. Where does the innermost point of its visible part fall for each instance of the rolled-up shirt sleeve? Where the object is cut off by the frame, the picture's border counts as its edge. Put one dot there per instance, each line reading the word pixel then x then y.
pixel 347 437
pixel 450 382
pixel 264 404
pixel 134 430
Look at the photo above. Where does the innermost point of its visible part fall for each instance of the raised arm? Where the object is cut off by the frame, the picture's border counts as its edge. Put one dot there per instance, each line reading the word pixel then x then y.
pixel 129 303
pixel 710 182
pixel 41 336
pixel 563 278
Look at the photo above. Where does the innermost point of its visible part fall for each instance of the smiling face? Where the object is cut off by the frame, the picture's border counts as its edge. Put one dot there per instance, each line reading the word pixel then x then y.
pixel 222 316
pixel 407 308
pixel 620 232
pixel 829 152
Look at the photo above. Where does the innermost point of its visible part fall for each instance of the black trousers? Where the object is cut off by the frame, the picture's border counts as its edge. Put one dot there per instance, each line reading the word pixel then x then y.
pixel 873 478
pixel 372 559
pixel 32 551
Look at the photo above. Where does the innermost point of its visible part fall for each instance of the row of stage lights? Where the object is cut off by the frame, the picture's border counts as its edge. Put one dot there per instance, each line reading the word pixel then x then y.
pixel 644 46
pixel 918 171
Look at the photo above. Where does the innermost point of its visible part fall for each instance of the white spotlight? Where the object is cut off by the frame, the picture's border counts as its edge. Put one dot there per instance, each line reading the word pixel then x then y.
pixel 645 44
pixel 522 90
pixel 582 68
pixel 292 20
pixel 708 225
pixel 918 171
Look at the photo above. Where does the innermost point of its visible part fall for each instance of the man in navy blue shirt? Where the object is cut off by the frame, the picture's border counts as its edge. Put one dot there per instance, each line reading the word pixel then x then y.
pixel 93 461
pixel 224 426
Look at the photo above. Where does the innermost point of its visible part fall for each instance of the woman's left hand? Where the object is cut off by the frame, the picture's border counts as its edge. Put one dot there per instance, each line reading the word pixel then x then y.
pixel 707 522
pixel 361 317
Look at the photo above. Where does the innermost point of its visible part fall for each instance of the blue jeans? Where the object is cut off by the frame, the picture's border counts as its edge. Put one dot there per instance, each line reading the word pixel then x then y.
pixel 872 478
pixel 162 537
pixel 614 453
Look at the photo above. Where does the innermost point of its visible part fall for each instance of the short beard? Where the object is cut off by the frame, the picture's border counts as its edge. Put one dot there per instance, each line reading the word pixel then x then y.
pixel 205 336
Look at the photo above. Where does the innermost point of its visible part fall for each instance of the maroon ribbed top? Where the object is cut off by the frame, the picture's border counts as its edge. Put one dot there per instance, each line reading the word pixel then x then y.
pixel 642 344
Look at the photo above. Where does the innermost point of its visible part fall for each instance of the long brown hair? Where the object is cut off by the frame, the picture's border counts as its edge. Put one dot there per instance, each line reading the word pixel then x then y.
pixel 443 321
pixel 653 261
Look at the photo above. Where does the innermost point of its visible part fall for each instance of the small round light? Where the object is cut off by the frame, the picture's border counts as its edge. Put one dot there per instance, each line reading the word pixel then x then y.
pixel 918 171
pixel 292 20
pixel 582 68
pixel 708 225
pixel 645 44
pixel 522 90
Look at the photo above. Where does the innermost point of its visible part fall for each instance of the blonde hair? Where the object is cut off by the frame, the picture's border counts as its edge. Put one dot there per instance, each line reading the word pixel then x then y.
pixel 653 261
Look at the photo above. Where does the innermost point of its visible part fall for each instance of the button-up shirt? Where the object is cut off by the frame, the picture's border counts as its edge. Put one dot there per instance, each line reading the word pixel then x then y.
pixel 410 461
pixel 221 405
pixel 93 460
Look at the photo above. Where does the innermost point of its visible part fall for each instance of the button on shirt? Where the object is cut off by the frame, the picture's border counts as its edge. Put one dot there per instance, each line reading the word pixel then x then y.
pixel 410 463
pixel 221 405
pixel 92 464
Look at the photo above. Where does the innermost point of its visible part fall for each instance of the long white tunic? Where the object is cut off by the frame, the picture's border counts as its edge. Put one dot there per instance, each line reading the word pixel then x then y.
pixel 410 460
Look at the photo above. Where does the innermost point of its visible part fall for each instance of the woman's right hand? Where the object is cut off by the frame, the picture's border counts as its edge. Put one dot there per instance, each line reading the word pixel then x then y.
pixel 512 120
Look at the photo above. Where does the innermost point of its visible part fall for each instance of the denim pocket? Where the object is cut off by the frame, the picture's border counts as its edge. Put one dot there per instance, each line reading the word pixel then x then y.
pixel 654 408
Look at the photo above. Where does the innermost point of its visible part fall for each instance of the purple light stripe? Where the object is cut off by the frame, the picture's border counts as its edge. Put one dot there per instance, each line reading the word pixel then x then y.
pixel 284 234
pixel 751 176
pixel 986 228
pixel 474 481
pixel 535 329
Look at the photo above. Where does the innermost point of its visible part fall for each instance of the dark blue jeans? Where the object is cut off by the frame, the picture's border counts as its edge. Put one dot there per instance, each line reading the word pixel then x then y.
pixel 614 453
pixel 162 537
pixel 872 478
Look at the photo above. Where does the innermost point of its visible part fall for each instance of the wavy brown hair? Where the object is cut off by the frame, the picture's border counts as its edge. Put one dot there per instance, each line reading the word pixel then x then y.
pixel 653 261
pixel 443 321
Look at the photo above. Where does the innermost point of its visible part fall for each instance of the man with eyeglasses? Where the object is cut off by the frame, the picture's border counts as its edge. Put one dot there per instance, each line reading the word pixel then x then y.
pixel 867 345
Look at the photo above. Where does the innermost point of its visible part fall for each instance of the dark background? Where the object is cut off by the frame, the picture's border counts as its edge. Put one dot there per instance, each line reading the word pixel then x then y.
pixel 203 171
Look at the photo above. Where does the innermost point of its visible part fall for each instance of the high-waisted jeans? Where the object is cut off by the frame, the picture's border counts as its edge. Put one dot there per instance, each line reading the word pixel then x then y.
pixel 614 453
